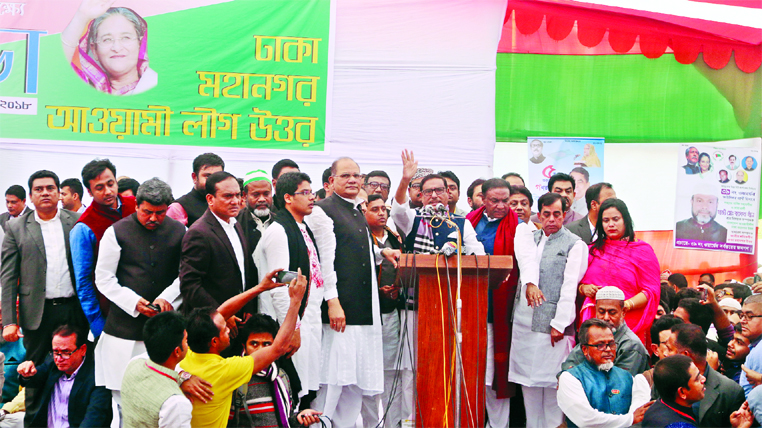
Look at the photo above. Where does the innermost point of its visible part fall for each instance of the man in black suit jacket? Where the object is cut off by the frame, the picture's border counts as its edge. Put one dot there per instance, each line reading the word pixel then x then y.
pixel 214 265
pixel 15 202
pixel 81 403
pixel 594 197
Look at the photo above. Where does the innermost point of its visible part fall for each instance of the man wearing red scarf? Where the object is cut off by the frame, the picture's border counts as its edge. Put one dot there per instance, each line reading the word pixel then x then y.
pixel 107 208
pixel 495 224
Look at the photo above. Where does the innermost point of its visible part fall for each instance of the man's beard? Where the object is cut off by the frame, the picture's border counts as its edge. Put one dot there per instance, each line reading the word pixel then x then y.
pixel 703 218
pixel 261 212
pixel 606 366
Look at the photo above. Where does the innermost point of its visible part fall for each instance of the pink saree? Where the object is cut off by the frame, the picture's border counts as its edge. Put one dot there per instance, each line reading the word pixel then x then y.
pixel 633 268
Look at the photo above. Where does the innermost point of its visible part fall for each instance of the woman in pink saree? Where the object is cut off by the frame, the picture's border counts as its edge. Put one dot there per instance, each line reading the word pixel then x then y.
pixel 618 259
pixel 107 48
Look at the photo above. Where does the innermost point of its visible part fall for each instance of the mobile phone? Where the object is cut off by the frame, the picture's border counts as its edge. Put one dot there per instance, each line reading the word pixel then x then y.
pixel 703 294
pixel 156 308
pixel 286 276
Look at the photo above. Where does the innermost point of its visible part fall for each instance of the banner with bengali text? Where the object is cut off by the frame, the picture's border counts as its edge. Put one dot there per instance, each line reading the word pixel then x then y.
pixel 242 74
pixel 717 200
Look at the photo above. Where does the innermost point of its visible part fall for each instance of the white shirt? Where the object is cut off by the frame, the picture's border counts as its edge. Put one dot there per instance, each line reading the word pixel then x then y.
pixel 592 228
pixel 573 402
pixel 175 412
pixel 235 241
pixel 404 216
pixel 57 277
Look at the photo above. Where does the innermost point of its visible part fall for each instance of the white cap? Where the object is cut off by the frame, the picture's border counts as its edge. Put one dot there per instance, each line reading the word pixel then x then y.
pixel 730 303
pixel 256 175
pixel 609 293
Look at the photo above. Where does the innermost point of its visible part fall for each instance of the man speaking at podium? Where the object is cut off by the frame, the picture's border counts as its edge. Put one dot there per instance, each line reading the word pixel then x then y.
pixel 495 225
pixel 552 261
pixel 430 235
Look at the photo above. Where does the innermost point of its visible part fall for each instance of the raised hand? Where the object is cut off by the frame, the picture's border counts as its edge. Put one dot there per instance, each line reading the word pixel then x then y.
pixel 409 165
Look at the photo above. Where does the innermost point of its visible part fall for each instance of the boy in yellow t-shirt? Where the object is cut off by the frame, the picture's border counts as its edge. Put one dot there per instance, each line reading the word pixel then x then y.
pixel 209 335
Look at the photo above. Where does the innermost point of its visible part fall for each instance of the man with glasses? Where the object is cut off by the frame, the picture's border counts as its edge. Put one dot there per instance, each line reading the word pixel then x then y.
pixel 378 182
pixel 414 187
pixel 288 244
pixel 453 192
pixel 66 383
pixel 751 328
pixel 424 236
pixel 351 314
pixel 597 393
pixel 495 225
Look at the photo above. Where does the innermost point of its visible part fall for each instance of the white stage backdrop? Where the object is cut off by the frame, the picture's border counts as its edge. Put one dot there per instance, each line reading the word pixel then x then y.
pixel 407 74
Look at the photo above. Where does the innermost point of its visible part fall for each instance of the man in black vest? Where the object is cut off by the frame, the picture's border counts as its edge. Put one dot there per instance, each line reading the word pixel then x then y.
pixel 191 206
pixel 137 268
pixel 257 216
pixel 288 244
pixel 351 316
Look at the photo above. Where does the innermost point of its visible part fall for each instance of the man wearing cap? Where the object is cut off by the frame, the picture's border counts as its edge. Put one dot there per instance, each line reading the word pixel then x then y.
pixel 702 226
pixel 254 219
pixel 631 355
pixel 414 187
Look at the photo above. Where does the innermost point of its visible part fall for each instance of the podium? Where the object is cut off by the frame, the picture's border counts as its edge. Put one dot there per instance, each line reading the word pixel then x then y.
pixel 436 329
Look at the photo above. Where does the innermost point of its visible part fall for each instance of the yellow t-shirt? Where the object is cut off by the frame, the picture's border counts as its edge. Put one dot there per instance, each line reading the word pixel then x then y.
pixel 225 375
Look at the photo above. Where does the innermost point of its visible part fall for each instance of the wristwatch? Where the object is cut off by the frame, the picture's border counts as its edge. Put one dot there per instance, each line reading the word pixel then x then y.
pixel 184 376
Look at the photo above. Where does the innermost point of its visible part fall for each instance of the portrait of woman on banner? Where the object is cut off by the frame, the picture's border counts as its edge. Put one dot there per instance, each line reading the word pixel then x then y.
pixel 589 157
pixel 705 164
pixel 107 48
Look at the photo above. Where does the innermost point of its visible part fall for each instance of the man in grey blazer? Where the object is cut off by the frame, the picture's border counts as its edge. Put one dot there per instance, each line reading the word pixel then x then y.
pixel 36 268
pixel 594 197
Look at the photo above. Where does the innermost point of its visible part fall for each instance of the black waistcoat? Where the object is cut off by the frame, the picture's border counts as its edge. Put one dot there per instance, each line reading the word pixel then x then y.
pixel 148 264
pixel 387 273
pixel 195 205
pixel 299 257
pixel 352 264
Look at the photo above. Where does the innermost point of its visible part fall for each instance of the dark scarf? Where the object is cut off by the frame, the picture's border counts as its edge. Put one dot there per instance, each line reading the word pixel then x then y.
pixel 503 299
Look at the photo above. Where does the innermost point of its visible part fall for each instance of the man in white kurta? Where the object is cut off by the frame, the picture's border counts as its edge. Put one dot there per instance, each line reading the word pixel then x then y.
pixel 352 356
pixel 562 269
pixel 272 252
pixel 149 253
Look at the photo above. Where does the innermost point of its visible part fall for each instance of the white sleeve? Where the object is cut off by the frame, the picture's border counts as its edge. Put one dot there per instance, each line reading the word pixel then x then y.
pixel 573 402
pixel 526 254
pixel 172 294
pixel 641 392
pixel 470 242
pixel 576 265
pixel 175 412
pixel 275 254
pixel 403 216
pixel 325 240
pixel 109 253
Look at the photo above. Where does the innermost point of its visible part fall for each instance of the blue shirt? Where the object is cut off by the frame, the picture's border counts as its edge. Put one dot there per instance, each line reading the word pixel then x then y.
pixel 486 231
pixel 753 362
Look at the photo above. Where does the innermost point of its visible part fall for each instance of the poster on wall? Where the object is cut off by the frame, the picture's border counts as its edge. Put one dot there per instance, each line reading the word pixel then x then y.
pixel 582 158
pixel 243 74
pixel 717 200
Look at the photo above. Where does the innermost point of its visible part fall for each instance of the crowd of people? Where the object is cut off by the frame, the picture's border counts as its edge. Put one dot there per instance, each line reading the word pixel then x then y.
pixel 271 301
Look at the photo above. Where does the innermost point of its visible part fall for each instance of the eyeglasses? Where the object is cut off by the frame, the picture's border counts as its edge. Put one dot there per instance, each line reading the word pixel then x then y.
pixel 109 41
pixel 346 176
pixel 437 190
pixel 748 316
pixel 307 193
pixel 415 186
pixel 375 185
pixel 63 354
pixel 602 346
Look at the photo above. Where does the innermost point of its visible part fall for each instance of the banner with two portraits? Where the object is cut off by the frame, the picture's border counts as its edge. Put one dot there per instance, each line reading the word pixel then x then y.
pixel 717 200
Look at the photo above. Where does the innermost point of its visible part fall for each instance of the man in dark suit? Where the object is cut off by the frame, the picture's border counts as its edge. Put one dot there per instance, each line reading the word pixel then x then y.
pixel 15 202
pixel 37 270
pixel 594 197
pixel 214 265
pixel 723 396
pixel 67 395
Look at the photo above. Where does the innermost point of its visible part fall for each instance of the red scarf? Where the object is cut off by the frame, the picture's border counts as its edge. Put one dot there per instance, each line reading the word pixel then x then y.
pixel 502 301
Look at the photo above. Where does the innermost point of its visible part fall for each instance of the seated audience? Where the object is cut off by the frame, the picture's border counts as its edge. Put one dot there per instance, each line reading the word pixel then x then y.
pixel 209 335
pixel 151 395
pixel 680 385
pixel 631 355
pixel 267 399
pixel 66 394
pixel 585 391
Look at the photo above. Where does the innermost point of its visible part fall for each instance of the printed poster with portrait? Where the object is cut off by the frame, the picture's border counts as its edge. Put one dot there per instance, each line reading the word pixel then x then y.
pixel 582 158
pixel 717 201
pixel 243 74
